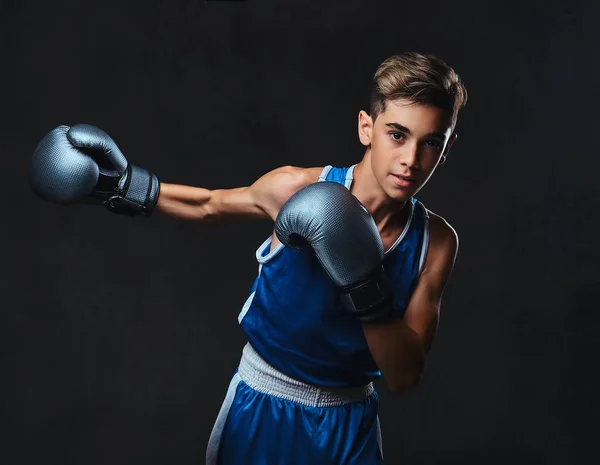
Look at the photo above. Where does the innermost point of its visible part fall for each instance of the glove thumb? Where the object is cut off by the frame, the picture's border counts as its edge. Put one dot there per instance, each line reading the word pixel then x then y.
pixel 100 146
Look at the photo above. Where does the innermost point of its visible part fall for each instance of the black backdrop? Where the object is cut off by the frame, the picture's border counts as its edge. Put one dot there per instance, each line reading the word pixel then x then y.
pixel 119 336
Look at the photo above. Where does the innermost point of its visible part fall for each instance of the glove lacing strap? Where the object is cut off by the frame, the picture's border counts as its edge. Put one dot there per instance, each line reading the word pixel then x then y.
pixel 139 192
pixel 371 300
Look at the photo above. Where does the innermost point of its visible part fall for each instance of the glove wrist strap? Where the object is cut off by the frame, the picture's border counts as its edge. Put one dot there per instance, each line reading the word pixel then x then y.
pixel 136 193
pixel 370 300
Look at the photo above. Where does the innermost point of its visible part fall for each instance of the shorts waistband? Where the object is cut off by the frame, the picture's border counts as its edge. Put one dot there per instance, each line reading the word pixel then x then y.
pixel 261 376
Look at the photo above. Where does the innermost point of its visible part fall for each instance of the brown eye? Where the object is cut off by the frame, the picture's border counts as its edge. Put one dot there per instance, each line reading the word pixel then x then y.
pixel 434 144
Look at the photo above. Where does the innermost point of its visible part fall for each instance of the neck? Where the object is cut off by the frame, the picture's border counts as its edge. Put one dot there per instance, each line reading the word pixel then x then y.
pixel 385 211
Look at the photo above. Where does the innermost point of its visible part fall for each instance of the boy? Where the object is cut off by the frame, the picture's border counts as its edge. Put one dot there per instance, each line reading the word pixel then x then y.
pixel 320 328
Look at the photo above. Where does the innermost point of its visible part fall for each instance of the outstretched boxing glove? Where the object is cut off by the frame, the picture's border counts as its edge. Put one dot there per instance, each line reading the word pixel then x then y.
pixel 82 164
pixel 345 240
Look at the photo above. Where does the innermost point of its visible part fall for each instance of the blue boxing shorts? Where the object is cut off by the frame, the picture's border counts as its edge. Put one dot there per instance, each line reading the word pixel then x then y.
pixel 268 418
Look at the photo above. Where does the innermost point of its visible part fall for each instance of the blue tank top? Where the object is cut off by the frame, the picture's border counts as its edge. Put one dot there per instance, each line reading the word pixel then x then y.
pixel 293 316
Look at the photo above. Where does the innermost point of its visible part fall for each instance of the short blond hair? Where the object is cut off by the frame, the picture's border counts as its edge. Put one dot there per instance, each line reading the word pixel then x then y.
pixel 423 79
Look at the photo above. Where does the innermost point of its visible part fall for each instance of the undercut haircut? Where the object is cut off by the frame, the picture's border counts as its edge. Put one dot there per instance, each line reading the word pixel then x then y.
pixel 423 79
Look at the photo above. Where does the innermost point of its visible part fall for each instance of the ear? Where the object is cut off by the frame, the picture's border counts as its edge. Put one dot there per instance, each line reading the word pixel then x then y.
pixel 365 128
pixel 451 141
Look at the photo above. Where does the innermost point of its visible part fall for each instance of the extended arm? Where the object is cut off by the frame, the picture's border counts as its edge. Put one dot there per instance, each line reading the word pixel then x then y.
pixel 83 164
pixel 262 199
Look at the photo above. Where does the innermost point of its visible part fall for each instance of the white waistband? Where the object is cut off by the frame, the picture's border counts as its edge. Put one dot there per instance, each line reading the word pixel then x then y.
pixel 261 376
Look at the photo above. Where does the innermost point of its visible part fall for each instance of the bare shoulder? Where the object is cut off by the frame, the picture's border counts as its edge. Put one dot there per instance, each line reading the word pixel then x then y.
pixel 275 188
pixel 287 180
pixel 440 229
pixel 443 243
pixel 294 176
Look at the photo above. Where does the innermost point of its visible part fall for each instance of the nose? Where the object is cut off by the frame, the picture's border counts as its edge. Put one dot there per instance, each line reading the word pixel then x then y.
pixel 410 155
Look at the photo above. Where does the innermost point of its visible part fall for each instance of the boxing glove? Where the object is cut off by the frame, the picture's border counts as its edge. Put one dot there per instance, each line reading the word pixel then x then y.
pixel 82 164
pixel 328 218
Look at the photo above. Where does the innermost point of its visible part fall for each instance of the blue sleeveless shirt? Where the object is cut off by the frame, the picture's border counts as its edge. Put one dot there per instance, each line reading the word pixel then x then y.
pixel 293 316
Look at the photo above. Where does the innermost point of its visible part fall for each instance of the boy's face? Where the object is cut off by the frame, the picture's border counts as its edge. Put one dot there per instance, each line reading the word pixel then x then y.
pixel 408 141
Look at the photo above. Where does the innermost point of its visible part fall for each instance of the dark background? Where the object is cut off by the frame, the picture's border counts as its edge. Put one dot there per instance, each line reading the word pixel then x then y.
pixel 119 336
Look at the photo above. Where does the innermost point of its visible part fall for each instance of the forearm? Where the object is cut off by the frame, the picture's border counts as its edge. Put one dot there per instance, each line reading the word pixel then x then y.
pixel 183 202
pixel 398 352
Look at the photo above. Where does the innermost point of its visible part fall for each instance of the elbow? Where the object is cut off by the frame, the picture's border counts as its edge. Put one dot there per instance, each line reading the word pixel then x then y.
pixel 206 215
pixel 207 210
pixel 404 382
pixel 407 376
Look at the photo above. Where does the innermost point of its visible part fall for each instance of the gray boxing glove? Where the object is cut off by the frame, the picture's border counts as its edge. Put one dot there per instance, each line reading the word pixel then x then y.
pixel 345 239
pixel 83 164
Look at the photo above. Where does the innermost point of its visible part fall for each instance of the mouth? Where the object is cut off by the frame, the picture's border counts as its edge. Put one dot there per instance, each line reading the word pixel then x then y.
pixel 403 181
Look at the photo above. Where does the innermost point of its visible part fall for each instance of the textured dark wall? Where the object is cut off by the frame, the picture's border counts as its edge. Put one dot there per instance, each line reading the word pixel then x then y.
pixel 119 336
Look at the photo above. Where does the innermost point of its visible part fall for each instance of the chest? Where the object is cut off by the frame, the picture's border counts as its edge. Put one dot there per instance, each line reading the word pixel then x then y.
pixel 389 238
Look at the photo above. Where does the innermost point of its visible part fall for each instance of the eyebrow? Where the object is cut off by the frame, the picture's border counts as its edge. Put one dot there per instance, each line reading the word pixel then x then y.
pixel 401 128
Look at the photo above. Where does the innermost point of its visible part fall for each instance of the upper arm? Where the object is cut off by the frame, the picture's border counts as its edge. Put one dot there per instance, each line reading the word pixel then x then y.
pixel 422 313
pixel 265 197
